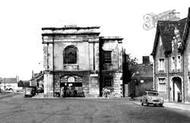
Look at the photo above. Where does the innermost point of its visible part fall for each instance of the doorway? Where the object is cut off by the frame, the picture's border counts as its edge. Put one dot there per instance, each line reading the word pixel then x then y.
pixel 72 89
pixel 177 89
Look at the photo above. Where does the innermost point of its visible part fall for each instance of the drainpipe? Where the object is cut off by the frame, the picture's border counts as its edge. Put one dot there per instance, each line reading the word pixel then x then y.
pixel 183 92
pixel 100 66
pixel 169 88
pixel 53 68
pixel 94 56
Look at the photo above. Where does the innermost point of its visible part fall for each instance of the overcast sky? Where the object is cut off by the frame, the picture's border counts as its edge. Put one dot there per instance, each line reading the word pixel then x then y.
pixel 21 22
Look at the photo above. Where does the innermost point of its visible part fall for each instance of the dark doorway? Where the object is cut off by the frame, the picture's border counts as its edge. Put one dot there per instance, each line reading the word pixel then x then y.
pixel 72 89
pixel 177 89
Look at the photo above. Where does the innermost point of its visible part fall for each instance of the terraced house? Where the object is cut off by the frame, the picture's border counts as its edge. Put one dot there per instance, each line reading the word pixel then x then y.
pixel 171 54
pixel 75 56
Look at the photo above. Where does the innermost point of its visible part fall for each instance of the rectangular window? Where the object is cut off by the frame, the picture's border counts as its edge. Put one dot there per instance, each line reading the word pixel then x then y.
pixel 107 56
pixel 172 63
pixel 161 65
pixel 108 81
pixel 178 63
pixel 161 84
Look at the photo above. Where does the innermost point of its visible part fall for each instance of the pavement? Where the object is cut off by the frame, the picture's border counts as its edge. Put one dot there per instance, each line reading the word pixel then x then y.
pixel 6 95
pixel 181 106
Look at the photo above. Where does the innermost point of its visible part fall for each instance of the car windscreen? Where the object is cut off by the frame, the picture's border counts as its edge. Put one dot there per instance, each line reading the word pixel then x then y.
pixel 152 94
pixel 28 89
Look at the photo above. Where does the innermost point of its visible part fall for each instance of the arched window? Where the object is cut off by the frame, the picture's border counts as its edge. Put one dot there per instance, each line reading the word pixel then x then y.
pixel 70 55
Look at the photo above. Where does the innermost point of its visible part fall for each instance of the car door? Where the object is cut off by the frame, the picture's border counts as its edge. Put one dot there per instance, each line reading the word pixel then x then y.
pixel 144 97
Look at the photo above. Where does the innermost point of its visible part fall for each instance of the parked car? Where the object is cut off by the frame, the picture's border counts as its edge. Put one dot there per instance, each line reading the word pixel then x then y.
pixel 40 90
pixel 152 97
pixel 30 91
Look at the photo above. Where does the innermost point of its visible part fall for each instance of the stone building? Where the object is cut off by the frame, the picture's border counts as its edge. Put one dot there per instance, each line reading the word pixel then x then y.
pixel 73 59
pixel 110 65
pixel 171 54
pixel 142 79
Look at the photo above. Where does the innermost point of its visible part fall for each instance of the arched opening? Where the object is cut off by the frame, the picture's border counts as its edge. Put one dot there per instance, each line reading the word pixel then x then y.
pixel 177 89
pixel 71 86
pixel 70 55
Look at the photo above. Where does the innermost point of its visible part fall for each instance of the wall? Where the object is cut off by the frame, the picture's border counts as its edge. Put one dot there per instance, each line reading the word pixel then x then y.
pixel 140 88
pixel 160 54
pixel 116 55
pixel 115 68
pixel 187 70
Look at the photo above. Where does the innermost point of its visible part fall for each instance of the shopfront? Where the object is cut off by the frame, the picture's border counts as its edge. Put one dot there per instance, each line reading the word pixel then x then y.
pixel 71 89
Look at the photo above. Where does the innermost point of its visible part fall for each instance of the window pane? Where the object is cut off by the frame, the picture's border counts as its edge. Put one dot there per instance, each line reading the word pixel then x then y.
pixel 172 63
pixel 108 81
pixel 161 65
pixel 161 84
pixel 70 55
pixel 178 62
pixel 107 56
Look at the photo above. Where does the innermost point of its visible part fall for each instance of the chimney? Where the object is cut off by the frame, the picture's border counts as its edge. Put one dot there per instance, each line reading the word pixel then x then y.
pixel 146 60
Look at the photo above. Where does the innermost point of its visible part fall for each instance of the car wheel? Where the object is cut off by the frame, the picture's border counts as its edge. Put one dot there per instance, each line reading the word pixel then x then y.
pixel 147 104
pixel 142 104
pixel 161 105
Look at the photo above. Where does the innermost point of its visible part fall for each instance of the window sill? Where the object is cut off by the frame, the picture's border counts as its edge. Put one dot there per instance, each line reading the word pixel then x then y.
pixel 161 71
pixel 71 67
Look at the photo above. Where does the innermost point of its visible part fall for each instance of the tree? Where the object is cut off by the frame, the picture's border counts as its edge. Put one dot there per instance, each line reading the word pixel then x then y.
pixel 20 83
pixel 129 68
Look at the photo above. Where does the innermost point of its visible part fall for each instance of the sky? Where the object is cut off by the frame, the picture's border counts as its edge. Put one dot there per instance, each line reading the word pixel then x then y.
pixel 21 22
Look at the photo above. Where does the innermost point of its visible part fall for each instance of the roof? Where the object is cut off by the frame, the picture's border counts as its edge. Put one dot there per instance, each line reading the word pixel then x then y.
pixel 10 80
pixel 166 34
pixel 144 72
pixel 70 27
pixel 111 38
pixel 38 76
pixel 74 33
pixel 70 30
pixel 165 30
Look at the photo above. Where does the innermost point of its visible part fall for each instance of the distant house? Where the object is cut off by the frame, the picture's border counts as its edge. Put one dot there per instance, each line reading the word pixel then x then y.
pixel 142 79
pixel 9 84
pixel 37 80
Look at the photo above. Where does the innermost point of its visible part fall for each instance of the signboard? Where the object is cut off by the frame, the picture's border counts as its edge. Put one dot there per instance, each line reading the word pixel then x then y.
pixel 151 19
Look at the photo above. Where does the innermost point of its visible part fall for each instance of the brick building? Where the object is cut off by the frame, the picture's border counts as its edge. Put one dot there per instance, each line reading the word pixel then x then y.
pixel 171 54
pixel 75 56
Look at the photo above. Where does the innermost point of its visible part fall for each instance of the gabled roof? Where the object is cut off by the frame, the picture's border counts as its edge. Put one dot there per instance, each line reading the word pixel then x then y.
pixel 165 30
pixel 38 76
pixel 186 30
pixel 10 80
pixel 144 72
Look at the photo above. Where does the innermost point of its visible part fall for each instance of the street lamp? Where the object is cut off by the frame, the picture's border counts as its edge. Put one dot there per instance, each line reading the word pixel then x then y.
pixel 141 81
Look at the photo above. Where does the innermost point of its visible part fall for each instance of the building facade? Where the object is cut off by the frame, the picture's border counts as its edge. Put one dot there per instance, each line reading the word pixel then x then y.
pixel 142 79
pixel 72 61
pixel 172 60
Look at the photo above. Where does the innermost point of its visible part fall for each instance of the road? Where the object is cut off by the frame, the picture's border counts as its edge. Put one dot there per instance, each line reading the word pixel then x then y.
pixel 17 109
